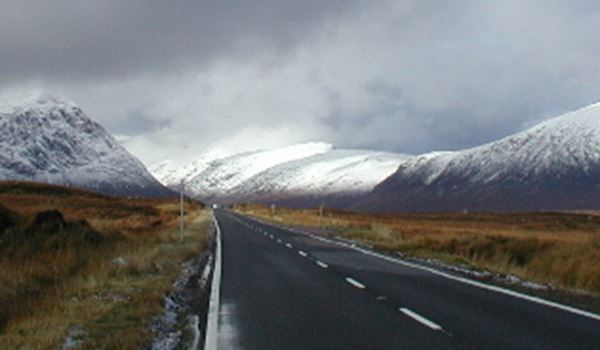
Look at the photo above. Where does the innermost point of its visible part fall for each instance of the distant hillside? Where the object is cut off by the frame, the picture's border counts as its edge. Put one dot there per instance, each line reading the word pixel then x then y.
pixel 299 175
pixel 37 188
pixel 554 165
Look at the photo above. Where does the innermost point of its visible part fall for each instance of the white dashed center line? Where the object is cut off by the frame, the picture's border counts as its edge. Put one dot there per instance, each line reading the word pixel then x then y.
pixel 415 316
pixel 355 283
pixel 288 245
pixel 302 253
pixel 322 264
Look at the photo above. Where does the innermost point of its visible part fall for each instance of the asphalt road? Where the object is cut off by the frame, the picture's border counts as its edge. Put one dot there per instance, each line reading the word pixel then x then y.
pixel 286 290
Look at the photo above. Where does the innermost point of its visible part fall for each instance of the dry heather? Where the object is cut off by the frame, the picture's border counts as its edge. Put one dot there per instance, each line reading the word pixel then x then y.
pixel 562 249
pixel 90 268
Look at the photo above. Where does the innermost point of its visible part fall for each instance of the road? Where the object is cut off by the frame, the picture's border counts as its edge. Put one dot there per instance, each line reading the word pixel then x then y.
pixel 287 290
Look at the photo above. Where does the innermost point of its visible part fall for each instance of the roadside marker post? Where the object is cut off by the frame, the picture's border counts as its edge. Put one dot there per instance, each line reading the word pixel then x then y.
pixel 181 212
pixel 321 214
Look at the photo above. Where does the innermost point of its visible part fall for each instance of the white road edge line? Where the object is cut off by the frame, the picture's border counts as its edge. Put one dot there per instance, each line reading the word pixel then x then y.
pixel 355 283
pixel 467 281
pixel 212 323
pixel 322 264
pixel 415 316
pixel 194 325
pixel 302 253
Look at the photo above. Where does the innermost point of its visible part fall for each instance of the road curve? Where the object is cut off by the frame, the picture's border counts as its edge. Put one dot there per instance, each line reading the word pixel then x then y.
pixel 287 290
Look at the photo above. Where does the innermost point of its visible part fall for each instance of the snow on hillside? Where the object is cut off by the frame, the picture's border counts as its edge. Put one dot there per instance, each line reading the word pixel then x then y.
pixel 171 172
pixel 221 176
pixel 565 142
pixel 309 169
pixel 427 167
pixel 338 171
pixel 49 139
pixel 553 165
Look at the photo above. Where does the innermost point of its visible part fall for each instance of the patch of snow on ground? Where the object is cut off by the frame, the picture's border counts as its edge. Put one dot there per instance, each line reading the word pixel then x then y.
pixel 168 336
pixel 74 338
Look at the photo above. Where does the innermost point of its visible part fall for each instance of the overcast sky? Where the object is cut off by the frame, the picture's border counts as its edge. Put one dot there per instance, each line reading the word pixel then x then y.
pixel 182 77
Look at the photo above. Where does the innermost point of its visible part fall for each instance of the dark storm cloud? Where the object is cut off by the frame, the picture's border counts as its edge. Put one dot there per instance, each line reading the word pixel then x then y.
pixel 109 39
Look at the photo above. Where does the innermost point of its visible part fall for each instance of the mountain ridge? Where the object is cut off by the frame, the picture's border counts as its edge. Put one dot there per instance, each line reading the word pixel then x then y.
pixel 276 175
pixel 554 165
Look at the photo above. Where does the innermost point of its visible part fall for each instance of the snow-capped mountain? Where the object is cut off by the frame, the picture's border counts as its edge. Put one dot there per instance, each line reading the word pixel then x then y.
pixel 296 174
pixel 220 179
pixel 334 177
pixel 49 139
pixel 171 172
pixel 551 166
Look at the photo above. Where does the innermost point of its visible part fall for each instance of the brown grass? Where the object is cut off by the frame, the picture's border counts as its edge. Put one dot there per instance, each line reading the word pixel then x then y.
pixel 47 290
pixel 562 249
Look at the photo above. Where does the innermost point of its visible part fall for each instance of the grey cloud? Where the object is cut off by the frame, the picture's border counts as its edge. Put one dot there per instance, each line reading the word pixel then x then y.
pixel 137 123
pixel 109 39
pixel 407 76
pixel 468 74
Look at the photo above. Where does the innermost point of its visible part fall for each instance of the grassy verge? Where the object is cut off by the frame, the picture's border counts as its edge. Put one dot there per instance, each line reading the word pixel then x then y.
pixel 562 249
pixel 97 276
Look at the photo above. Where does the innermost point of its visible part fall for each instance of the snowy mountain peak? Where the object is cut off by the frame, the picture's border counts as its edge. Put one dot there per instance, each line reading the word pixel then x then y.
pixel 34 101
pixel 571 140
pixel 552 165
pixel 49 139
pixel 568 141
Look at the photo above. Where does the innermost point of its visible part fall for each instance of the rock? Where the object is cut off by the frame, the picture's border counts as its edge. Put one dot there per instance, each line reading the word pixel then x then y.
pixel 7 219
pixel 47 222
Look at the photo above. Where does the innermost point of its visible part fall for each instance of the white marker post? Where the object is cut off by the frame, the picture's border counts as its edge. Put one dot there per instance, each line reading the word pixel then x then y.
pixel 321 214
pixel 181 213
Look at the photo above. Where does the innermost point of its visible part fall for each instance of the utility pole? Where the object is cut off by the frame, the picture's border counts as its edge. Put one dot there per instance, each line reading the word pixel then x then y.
pixel 181 213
